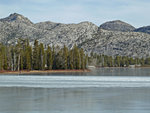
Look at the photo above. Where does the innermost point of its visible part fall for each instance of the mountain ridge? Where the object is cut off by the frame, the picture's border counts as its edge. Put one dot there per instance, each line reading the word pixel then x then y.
pixel 90 37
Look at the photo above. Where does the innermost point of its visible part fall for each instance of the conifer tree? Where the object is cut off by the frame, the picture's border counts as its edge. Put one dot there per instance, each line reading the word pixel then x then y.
pixel 13 58
pixel 65 56
pixel 21 59
pixel 41 57
pixel 117 61
pixel 59 60
pixel 131 61
pixel 28 58
pixel 147 61
pixel 49 58
pixel 53 57
pixel 82 58
pixel 1 57
pixel 18 53
pixel 70 66
pixel 142 61
pixel 76 56
pixel 86 61
pixel 36 55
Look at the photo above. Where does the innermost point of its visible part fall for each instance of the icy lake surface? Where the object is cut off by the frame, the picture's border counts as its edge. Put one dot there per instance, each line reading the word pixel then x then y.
pixel 73 81
pixel 105 77
pixel 106 90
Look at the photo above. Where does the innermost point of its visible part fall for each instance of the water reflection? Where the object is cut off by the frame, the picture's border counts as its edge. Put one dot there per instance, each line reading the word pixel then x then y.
pixel 120 72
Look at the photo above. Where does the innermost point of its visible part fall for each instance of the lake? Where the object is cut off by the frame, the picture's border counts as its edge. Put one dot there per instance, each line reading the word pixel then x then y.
pixel 104 90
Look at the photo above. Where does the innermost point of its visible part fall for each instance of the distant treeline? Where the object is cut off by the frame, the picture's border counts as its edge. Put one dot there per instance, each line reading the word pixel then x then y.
pixel 23 56
pixel 116 61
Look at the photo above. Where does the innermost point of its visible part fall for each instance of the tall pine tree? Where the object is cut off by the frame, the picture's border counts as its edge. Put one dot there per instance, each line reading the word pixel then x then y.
pixel 49 59
pixel 41 57
pixel 36 55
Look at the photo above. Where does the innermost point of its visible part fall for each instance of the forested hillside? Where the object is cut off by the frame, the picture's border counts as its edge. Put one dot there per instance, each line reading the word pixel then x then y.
pixel 23 56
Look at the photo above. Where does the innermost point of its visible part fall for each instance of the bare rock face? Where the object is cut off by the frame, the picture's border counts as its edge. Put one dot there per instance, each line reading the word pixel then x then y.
pixel 112 43
pixel 117 26
pixel 68 34
pixel 145 29
pixel 118 38
pixel 48 25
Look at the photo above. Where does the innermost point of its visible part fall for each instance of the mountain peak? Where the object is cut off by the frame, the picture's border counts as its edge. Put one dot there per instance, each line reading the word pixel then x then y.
pixel 117 25
pixel 15 17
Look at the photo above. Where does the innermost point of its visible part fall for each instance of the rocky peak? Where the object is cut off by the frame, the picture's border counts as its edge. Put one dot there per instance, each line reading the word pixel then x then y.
pixel 117 25
pixel 145 29
pixel 16 18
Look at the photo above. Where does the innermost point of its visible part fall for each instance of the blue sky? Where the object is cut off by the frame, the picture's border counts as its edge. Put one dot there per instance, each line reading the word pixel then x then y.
pixel 135 12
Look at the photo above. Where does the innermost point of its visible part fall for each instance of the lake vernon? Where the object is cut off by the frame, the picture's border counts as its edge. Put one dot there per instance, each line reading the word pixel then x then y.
pixel 104 90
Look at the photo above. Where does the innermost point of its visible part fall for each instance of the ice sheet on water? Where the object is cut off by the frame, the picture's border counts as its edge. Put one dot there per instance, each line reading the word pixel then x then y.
pixel 73 81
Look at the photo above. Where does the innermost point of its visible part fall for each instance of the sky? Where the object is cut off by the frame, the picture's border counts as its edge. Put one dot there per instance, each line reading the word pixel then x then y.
pixel 134 12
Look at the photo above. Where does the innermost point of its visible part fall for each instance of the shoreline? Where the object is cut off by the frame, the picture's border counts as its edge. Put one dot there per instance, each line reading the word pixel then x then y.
pixel 44 71
pixel 125 67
